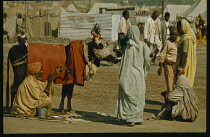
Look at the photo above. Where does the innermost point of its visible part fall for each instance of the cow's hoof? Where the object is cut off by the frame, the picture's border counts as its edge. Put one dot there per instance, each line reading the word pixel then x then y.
pixel 116 60
pixel 70 110
pixel 61 110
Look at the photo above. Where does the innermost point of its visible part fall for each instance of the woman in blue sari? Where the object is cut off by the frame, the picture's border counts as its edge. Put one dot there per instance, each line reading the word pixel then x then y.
pixel 133 71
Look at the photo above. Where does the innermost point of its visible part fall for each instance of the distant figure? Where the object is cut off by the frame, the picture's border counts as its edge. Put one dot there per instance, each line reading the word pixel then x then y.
pixel 5 32
pixel 199 24
pixel 166 27
pixel 22 39
pixel 153 35
pixel 19 25
pixel 167 60
pixel 123 26
pixel 133 72
pixel 186 54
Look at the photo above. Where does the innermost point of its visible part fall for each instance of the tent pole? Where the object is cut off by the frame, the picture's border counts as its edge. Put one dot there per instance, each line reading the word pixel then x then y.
pixel 162 8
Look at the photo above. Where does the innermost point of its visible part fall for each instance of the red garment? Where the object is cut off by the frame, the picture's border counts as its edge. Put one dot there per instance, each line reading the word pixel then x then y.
pixel 50 56
pixel 77 63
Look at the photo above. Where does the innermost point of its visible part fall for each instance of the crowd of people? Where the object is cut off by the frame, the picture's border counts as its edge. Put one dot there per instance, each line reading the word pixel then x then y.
pixel 172 48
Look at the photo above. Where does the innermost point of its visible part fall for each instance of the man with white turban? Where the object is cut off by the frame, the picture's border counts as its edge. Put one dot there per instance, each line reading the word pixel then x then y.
pixel 33 93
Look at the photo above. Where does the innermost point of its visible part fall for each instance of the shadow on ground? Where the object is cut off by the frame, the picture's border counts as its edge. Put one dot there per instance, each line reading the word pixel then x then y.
pixel 154 102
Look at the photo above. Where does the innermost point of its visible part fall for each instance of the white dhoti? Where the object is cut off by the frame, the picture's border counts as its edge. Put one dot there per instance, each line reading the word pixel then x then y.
pixel 155 49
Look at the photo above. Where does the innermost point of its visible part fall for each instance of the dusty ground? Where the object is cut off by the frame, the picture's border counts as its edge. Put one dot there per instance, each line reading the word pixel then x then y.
pixel 94 104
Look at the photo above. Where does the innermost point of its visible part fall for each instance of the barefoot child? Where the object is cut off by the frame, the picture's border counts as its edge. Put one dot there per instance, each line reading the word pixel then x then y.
pixel 167 59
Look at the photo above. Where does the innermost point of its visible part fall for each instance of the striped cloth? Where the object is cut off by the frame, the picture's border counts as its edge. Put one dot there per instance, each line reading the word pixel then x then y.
pixel 186 98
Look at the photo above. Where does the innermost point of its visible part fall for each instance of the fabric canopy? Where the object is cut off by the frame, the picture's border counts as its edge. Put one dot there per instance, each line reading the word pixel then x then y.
pixel 36 27
pixel 10 26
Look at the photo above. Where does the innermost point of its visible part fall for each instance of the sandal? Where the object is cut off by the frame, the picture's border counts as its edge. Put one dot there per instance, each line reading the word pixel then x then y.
pixel 129 124
pixel 138 123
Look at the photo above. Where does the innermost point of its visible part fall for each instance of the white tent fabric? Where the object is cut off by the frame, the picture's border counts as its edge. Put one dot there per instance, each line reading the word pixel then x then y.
pixel 205 16
pixel 199 7
pixel 144 8
pixel 115 23
pixel 47 7
pixel 55 4
pixel 12 11
pixel 71 8
pixel 141 19
pixel 82 6
pixel 57 10
pixel 96 6
pixel 19 6
pixel 27 6
pixel 137 8
pixel 5 6
pixel 10 26
pixel 176 10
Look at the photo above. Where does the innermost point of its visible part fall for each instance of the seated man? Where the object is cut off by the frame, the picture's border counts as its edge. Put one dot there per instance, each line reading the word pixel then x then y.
pixel 33 93
pixel 182 102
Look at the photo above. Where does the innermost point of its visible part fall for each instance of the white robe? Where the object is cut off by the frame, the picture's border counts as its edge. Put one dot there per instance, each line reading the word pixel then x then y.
pixel 133 71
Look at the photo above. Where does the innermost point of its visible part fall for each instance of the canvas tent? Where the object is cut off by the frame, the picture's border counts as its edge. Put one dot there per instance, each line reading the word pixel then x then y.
pixel 144 8
pixel 205 16
pixel 26 6
pixel 199 7
pixel 5 6
pixel 10 26
pixel 16 9
pixel 96 6
pixel 175 10
pixel 57 10
pixel 55 4
pixel 71 8
pixel 41 27
pixel 47 7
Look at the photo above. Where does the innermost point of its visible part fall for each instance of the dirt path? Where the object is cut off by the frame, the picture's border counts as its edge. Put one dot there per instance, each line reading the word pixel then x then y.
pixel 94 105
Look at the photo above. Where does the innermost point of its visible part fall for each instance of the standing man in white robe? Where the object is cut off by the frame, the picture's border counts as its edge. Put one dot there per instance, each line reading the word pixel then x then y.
pixel 153 35
pixel 166 27
pixel 123 26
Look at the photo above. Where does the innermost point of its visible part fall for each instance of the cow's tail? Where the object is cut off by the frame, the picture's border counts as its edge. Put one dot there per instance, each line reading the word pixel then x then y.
pixel 7 84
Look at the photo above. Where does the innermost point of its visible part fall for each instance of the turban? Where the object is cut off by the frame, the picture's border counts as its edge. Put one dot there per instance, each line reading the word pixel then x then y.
pixel 34 68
